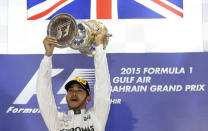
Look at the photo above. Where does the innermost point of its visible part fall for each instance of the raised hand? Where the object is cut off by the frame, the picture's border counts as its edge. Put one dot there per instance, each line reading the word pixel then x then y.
pixel 49 44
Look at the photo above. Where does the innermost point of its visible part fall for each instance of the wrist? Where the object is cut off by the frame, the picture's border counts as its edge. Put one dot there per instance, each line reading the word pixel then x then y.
pixel 99 48
pixel 48 53
pixel 98 42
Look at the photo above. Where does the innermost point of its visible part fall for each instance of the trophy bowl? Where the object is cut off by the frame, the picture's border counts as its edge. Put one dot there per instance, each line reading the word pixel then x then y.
pixel 86 36
pixel 78 35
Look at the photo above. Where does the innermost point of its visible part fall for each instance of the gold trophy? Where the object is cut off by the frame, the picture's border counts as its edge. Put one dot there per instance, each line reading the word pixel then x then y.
pixel 77 35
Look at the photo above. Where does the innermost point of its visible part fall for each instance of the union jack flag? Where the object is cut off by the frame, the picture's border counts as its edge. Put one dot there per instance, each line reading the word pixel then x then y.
pixel 105 9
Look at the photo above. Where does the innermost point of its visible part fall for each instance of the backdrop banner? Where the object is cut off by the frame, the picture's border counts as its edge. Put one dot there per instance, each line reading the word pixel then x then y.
pixel 150 92
pixel 138 26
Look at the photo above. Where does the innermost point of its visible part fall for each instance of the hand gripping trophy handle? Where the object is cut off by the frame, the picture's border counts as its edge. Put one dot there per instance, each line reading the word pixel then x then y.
pixel 77 35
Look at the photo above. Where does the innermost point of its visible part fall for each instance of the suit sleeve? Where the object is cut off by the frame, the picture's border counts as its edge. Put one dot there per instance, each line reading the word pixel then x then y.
pixel 45 95
pixel 102 89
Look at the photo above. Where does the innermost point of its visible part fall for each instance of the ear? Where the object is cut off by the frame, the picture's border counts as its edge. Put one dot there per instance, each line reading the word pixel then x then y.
pixel 88 98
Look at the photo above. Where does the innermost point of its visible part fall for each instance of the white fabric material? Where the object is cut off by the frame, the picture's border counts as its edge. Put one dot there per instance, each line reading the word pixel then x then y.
pixel 92 120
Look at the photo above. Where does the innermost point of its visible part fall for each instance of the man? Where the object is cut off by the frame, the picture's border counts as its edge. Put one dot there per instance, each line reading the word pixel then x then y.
pixel 78 94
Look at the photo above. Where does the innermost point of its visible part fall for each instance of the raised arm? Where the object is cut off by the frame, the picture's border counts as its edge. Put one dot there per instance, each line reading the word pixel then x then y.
pixel 102 85
pixel 44 91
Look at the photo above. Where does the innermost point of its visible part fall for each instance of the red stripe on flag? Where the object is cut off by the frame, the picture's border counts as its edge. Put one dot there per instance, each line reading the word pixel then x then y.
pixel 168 7
pixel 44 13
pixel 104 9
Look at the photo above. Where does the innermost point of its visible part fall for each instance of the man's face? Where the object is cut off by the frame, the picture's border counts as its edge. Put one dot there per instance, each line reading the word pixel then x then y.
pixel 77 97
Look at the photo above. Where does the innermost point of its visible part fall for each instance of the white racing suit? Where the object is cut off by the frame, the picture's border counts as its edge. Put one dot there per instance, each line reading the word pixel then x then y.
pixel 92 120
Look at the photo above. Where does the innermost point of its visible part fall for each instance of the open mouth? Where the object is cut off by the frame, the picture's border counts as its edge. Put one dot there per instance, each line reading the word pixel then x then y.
pixel 74 99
